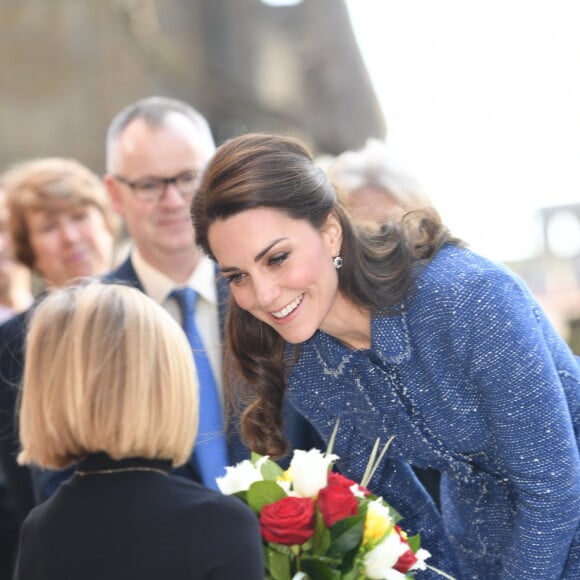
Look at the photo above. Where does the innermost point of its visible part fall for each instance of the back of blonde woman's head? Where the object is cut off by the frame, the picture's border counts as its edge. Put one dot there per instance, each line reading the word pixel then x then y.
pixel 107 370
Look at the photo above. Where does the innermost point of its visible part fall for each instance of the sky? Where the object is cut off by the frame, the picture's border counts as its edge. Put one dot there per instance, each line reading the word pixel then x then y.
pixel 482 106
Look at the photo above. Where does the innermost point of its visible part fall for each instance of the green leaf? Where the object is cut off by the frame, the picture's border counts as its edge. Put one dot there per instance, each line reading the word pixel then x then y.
pixel 414 542
pixel 282 548
pixel 352 574
pixel 349 570
pixel 243 495
pixel 263 493
pixel 277 564
pixel 320 541
pixel 316 568
pixel 255 457
pixel 346 535
pixel 271 471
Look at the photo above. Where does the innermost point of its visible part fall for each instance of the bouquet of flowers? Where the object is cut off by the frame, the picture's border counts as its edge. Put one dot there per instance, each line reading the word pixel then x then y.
pixel 317 524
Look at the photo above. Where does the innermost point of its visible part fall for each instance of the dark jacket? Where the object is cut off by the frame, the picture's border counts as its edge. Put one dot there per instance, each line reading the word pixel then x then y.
pixel 133 524
pixel 18 481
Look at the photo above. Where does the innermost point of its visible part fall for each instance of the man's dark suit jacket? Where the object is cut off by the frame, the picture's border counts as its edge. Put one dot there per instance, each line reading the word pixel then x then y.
pixel 299 432
pixel 138 525
pixel 18 481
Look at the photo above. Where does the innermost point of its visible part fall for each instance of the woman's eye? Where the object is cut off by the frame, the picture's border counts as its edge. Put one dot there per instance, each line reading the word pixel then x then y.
pixel 234 278
pixel 79 216
pixel 46 227
pixel 277 259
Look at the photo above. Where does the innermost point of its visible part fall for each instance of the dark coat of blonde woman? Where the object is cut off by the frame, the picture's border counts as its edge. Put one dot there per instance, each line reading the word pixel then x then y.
pixel 109 384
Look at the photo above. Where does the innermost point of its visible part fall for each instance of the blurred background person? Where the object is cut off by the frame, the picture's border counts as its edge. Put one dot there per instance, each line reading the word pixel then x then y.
pixel 109 380
pixel 15 296
pixel 372 185
pixel 15 280
pixel 62 227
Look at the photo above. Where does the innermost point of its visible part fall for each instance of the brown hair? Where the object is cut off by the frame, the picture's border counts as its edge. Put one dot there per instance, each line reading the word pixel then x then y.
pixel 277 172
pixel 50 184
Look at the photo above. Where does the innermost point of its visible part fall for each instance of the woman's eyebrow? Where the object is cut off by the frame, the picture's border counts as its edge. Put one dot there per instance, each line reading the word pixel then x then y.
pixel 258 257
pixel 261 254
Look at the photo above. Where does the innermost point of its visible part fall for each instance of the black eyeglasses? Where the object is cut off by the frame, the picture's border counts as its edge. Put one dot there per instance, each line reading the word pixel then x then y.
pixel 154 188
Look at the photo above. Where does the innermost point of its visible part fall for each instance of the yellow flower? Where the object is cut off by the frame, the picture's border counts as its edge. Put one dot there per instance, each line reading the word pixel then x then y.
pixel 378 523
pixel 286 476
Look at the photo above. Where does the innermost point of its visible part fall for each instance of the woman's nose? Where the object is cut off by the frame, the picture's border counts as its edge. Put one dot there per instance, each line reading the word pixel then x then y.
pixel 266 291
pixel 69 231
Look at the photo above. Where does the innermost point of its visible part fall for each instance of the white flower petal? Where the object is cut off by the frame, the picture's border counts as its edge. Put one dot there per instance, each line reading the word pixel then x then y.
pixel 421 554
pixel 309 471
pixel 380 560
pixel 239 477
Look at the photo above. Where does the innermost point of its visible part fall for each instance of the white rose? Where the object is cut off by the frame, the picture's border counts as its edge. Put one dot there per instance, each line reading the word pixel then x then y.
pixel 357 491
pixel 378 507
pixel 241 476
pixel 309 471
pixel 421 554
pixel 380 560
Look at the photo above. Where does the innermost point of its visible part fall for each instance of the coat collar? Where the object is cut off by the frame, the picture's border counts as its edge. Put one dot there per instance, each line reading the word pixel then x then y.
pixel 390 341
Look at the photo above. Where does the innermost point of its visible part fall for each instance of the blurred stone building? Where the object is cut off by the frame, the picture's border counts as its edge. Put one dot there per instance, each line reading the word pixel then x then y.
pixel 553 274
pixel 66 67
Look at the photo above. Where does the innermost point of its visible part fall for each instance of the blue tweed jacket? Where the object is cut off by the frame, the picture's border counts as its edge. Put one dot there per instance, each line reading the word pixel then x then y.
pixel 473 381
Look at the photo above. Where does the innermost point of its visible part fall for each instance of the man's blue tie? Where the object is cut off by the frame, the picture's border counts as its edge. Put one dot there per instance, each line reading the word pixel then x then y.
pixel 210 447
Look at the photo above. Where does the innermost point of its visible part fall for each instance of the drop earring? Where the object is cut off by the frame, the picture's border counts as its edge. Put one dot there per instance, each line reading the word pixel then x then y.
pixel 337 262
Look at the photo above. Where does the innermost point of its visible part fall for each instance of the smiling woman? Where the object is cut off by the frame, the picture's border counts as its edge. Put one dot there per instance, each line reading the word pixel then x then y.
pixel 410 334
pixel 280 270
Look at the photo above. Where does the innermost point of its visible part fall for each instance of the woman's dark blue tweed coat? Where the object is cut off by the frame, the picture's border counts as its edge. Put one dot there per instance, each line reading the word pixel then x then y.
pixel 473 381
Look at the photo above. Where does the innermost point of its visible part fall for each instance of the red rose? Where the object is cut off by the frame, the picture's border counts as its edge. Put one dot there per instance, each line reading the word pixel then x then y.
pixel 336 502
pixel 405 562
pixel 288 521
pixel 338 479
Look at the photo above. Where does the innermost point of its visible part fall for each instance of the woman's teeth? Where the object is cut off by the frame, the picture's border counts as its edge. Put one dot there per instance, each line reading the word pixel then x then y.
pixel 289 308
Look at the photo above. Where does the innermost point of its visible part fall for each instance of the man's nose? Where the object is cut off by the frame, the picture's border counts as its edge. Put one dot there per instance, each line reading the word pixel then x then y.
pixel 171 195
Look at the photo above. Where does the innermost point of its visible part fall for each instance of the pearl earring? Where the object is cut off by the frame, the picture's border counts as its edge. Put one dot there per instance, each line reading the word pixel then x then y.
pixel 337 262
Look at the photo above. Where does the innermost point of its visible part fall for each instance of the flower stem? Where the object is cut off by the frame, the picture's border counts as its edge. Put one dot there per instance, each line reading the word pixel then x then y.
pixel 440 572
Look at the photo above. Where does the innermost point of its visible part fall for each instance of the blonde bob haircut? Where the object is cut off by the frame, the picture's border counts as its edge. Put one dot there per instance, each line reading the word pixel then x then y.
pixel 106 370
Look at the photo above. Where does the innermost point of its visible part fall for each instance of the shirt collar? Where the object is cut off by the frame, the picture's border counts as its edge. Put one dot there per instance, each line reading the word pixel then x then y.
pixel 158 286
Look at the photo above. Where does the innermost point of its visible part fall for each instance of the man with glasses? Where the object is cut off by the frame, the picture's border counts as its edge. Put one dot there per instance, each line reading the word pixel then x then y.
pixel 156 149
